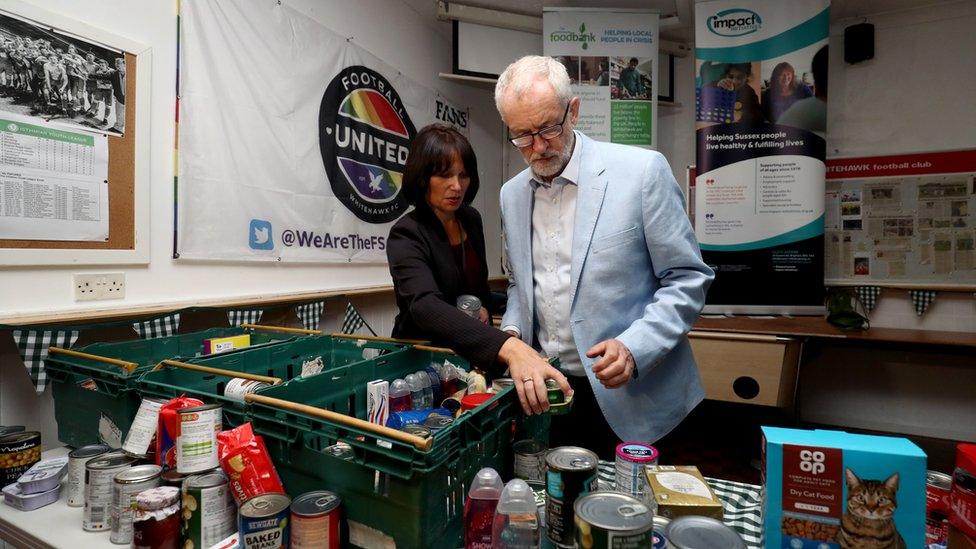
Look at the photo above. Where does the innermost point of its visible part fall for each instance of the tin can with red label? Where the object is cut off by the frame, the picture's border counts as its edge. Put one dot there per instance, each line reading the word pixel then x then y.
pixel 938 487
pixel 315 521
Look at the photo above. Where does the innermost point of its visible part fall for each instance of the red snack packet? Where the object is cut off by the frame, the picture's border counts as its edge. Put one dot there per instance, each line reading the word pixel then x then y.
pixel 245 459
pixel 169 429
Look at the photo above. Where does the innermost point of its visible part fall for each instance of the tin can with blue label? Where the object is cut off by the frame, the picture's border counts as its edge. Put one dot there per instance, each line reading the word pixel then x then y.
pixel 263 522
pixel 571 474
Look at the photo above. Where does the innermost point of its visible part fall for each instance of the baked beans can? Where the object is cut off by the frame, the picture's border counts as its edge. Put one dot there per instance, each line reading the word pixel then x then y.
pixel 126 485
pixel 609 520
pixel 99 479
pixel 571 474
pixel 938 489
pixel 315 521
pixel 196 447
pixel 263 522
pixel 209 512
pixel 156 522
pixel 18 453
pixel 238 387
pixel 530 460
pixel 143 428
pixel 75 482
pixel 632 458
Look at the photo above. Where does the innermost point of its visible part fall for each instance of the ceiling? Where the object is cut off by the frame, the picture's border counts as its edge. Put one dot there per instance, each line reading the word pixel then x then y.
pixel 684 9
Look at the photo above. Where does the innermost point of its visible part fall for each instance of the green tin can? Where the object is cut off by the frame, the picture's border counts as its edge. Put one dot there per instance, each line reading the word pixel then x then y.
pixel 209 512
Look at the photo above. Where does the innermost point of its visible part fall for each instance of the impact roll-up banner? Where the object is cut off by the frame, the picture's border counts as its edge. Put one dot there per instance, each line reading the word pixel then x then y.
pixel 611 57
pixel 292 139
pixel 761 112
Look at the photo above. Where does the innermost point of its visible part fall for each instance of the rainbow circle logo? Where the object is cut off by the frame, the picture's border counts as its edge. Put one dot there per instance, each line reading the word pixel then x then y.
pixel 365 135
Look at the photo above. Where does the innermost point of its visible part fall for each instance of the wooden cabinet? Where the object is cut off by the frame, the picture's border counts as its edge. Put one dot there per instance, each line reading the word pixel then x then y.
pixel 747 368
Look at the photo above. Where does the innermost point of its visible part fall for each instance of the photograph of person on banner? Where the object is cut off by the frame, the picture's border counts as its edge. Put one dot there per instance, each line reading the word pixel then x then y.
pixel 737 78
pixel 634 79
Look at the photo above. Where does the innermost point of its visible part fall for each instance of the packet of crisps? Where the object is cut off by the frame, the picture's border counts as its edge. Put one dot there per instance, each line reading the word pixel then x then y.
pixel 245 459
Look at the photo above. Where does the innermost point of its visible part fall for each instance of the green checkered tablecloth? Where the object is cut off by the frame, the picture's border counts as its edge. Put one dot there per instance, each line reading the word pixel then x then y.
pixel 742 503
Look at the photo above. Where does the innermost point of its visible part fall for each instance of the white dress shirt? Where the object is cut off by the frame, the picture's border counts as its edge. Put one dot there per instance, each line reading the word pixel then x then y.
pixel 553 220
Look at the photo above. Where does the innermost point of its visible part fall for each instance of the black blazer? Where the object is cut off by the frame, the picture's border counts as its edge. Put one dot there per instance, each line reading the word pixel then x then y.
pixel 427 282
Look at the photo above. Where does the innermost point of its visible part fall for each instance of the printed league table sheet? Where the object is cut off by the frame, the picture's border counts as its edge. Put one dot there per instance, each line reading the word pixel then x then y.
pixel 53 182
pixel 907 218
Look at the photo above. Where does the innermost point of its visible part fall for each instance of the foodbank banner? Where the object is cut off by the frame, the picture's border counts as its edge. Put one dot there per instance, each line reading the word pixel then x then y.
pixel 761 112
pixel 292 146
pixel 611 57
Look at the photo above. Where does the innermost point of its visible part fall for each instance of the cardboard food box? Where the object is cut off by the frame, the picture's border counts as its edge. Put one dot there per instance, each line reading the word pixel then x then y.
pixel 831 489
pixel 216 345
pixel 681 490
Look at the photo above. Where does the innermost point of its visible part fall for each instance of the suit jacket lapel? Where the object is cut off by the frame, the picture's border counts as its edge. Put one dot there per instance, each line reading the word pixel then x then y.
pixel 589 200
pixel 522 248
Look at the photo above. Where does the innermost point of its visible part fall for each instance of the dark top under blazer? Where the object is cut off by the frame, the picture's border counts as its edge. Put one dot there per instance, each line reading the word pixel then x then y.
pixel 427 281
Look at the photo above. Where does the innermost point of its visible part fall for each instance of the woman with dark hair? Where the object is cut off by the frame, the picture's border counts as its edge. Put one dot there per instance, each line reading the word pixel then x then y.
pixel 437 253
pixel 736 78
pixel 784 90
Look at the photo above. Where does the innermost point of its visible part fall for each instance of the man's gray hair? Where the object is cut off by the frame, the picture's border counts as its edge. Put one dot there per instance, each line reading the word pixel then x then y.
pixel 520 75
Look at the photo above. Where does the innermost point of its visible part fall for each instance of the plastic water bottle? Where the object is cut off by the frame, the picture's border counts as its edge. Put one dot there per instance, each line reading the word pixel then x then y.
pixel 516 524
pixel 449 380
pixel 479 509
pixel 428 390
pixel 400 396
pixel 416 391
pixel 434 374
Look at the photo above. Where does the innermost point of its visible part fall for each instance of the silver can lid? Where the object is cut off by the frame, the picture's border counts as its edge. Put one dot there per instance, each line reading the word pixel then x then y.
pixel 205 480
pixel 417 429
pixel 529 447
pixel 138 473
pixel 695 532
pixel 939 480
pixel 571 458
pixel 265 505
pixel 204 408
pixel 435 422
pixel 110 461
pixel 614 511
pixel 311 504
pixel 89 451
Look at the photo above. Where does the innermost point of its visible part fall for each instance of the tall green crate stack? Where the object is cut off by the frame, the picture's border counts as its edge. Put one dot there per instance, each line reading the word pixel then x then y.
pixel 283 361
pixel 90 394
pixel 391 491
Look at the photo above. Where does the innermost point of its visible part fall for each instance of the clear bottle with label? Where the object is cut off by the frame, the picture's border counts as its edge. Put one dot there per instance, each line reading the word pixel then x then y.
pixel 479 509
pixel 428 390
pixel 417 400
pixel 516 524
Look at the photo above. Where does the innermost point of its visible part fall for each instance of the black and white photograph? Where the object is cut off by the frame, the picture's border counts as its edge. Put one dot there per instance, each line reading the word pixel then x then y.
pixel 61 79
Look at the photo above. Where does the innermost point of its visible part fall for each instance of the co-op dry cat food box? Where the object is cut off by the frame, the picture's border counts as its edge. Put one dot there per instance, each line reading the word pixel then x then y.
pixel 831 489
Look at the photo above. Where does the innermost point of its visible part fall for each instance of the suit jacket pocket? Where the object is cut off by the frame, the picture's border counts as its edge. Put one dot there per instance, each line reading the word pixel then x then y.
pixel 613 240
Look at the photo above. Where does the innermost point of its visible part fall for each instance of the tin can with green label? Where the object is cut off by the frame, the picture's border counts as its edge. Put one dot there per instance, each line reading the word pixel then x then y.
pixel 606 520
pixel 209 512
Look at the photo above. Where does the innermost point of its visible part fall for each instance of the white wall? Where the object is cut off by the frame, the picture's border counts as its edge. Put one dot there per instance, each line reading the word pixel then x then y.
pixel 420 47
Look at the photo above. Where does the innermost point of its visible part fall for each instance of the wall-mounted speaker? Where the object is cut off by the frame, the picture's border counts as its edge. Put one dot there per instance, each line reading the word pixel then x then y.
pixel 859 43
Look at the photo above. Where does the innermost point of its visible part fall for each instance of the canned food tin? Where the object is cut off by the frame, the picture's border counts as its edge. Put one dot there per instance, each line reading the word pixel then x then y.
pixel 18 452
pixel 606 520
pixel 501 383
pixel 340 450
pixel 631 459
pixel 196 447
pixel 127 484
pixel 172 477
pixel 43 476
pixel 469 305
pixel 572 473
pixel 658 539
pixel 315 521
pixel 530 460
pixel 696 532
pixel 263 522
pixel 238 387
pixel 417 429
pixel 99 479
pixel 75 482
pixel 436 422
pixel 554 392
pixel 143 428
pixel 156 523
pixel 938 487
pixel 208 510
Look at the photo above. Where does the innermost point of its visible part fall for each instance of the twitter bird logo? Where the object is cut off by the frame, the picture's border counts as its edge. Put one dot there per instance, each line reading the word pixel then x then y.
pixel 259 235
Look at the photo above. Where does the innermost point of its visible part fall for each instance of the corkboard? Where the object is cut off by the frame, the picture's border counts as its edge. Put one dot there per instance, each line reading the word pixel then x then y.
pixel 121 184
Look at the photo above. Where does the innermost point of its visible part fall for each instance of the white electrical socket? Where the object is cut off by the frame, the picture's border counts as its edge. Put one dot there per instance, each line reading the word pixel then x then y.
pixel 94 287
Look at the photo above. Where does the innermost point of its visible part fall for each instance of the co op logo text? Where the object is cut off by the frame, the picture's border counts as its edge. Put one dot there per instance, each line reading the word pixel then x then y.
pixel 734 22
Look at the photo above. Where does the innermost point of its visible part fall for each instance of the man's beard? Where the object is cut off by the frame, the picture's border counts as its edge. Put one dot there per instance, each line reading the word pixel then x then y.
pixel 553 163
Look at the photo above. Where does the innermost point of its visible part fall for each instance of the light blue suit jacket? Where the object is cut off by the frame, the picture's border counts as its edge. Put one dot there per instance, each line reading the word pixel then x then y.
pixel 637 276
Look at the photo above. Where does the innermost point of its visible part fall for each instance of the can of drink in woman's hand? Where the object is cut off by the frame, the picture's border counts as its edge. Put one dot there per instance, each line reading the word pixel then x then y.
pixel 469 305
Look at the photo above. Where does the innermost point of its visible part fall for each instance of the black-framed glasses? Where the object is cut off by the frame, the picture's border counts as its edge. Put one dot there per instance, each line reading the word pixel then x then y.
pixel 549 132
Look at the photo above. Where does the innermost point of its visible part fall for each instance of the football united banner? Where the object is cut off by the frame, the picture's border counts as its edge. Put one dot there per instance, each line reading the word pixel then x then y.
pixel 761 111
pixel 611 58
pixel 292 139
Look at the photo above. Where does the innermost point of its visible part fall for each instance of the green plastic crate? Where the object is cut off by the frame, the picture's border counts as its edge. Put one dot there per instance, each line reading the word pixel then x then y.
pixel 283 361
pixel 396 492
pixel 87 390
